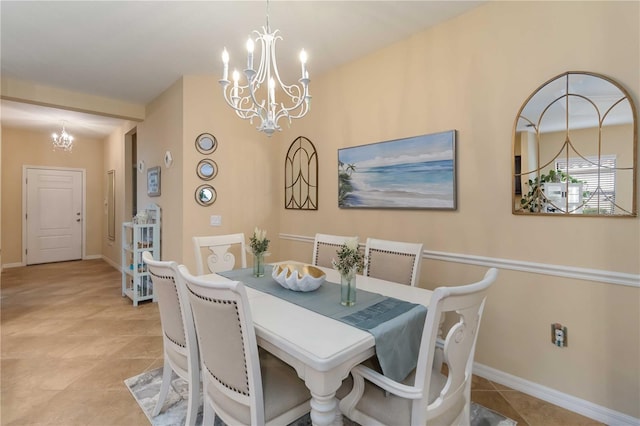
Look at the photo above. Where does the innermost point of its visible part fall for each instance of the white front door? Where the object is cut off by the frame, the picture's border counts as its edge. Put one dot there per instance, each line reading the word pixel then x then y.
pixel 54 215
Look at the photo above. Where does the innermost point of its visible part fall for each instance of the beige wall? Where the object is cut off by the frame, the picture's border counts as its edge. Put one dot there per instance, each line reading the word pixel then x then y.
pixel 246 186
pixel 23 147
pixel 162 131
pixel 114 159
pixel 29 92
pixel 246 179
pixel 469 74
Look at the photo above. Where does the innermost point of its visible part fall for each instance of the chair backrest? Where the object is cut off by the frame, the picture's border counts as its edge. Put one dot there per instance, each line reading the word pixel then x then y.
pixel 467 304
pixel 228 349
pixel 393 260
pixel 325 247
pixel 179 333
pixel 216 252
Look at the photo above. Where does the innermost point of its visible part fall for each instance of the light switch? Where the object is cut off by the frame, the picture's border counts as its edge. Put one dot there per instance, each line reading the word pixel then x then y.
pixel 215 220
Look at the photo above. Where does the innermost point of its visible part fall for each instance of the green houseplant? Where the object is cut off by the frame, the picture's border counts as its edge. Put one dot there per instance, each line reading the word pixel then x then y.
pixel 534 200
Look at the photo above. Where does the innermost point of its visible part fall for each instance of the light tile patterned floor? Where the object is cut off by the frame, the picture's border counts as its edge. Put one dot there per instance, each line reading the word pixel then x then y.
pixel 69 339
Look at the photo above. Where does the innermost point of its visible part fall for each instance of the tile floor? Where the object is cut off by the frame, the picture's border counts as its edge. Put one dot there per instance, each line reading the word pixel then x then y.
pixel 69 339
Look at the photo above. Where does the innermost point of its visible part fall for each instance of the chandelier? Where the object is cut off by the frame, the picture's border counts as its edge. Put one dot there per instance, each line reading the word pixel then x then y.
pixel 64 141
pixel 257 98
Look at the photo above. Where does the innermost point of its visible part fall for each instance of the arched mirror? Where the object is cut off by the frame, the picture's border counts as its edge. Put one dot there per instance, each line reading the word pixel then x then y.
pixel 206 143
pixel 207 169
pixel 205 195
pixel 575 149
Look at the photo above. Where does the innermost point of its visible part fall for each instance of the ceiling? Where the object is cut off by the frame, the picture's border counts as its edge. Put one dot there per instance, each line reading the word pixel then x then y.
pixel 134 50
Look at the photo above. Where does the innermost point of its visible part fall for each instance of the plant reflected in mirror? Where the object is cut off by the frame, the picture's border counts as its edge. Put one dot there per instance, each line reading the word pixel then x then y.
pixel 205 195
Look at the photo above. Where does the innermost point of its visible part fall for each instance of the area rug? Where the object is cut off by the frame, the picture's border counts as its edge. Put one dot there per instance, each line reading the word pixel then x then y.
pixel 145 388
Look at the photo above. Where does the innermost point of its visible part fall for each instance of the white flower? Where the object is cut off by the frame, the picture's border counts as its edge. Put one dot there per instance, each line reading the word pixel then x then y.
pixel 258 241
pixel 352 244
pixel 259 234
pixel 349 257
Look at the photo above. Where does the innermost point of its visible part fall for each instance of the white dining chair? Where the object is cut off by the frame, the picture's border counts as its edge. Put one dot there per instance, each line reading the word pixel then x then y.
pixel 214 251
pixel 393 260
pixel 178 333
pixel 426 396
pixel 325 247
pixel 241 384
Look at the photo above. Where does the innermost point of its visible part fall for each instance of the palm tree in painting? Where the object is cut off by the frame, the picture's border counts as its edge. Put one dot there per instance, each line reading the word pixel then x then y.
pixel 344 181
pixel 350 168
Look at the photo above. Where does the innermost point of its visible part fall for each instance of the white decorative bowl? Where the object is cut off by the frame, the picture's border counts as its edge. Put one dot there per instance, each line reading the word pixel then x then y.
pixel 298 277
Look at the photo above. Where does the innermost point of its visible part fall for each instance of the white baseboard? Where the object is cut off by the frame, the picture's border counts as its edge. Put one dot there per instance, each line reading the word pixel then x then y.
pixel 112 263
pixel 568 402
pixel 90 257
pixel 13 265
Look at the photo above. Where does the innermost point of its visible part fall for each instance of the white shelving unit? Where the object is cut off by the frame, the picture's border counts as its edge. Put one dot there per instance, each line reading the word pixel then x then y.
pixel 137 238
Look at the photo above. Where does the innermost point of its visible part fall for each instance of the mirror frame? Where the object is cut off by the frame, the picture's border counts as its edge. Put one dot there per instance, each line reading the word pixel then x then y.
pixel 203 149
pixel 211 163
pixel 202 188
pixel 517 175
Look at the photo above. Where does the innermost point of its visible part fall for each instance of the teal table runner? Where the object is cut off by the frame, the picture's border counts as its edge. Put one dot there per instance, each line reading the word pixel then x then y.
pixel 396 325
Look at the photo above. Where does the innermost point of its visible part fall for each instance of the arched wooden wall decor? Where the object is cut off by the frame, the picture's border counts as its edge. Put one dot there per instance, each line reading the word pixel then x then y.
pixel 301 176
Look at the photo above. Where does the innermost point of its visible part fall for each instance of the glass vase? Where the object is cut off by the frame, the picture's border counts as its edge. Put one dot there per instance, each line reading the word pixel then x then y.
pixel 348 288
pixel 258 264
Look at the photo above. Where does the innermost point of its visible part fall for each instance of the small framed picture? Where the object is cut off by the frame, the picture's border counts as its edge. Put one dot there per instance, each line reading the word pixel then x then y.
pixel 153 181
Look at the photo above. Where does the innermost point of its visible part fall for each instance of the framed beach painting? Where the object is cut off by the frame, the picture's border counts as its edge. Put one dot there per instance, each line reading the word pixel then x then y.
pixel 412 173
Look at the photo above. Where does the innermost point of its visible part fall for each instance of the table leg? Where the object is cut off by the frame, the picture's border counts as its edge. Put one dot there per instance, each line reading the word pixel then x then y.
pixel 324 410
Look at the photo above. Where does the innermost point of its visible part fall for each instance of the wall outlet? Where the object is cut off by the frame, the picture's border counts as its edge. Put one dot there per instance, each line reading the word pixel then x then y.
pixel 215 220
pixel 559 336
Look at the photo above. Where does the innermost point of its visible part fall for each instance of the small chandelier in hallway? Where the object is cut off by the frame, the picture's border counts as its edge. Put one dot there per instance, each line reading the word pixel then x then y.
pixel 63 141
pixel 249 101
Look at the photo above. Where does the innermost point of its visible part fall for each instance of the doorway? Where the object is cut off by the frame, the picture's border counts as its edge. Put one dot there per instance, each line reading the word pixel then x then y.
pixel 54 206
pixel 131 174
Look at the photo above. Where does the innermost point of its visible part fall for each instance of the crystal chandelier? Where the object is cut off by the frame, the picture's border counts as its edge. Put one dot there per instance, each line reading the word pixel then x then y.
pixel 257 99
pixel 64 141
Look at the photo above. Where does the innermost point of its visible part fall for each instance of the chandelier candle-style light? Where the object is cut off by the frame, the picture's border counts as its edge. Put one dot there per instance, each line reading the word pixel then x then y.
pixel 257 99
pixel 64 141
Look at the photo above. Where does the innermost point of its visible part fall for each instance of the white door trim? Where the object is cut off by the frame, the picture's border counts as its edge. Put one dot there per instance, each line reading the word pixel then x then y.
pixel 24 205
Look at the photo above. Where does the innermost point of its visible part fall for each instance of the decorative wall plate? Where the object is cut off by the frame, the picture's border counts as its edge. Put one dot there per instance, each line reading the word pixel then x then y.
pixel 168 159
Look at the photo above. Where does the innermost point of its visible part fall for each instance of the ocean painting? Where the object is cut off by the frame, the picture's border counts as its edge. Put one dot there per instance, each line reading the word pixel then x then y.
pixel 412 173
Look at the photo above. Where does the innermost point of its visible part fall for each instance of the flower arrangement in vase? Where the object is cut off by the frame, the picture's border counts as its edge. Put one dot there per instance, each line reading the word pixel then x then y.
pixel 258 243
pixel 350 261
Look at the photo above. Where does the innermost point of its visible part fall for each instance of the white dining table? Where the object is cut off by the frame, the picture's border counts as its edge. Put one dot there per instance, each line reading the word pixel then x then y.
pixel 321 350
